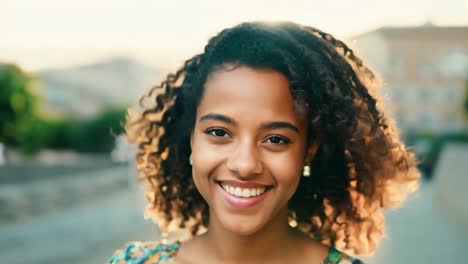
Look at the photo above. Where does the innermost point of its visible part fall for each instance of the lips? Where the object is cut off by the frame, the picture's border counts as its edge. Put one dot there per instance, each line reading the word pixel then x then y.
pixel 243 194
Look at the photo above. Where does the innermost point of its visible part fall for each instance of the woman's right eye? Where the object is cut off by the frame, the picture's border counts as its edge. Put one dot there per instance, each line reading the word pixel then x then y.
pixel 217 132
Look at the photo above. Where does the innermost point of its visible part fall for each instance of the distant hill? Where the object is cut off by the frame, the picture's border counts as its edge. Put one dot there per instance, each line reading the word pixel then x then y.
pixel 84 90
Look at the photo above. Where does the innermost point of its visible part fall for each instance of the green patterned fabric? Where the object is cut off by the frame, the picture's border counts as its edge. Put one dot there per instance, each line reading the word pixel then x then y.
pixel 337 257
pixel 159 253
pixel 145 252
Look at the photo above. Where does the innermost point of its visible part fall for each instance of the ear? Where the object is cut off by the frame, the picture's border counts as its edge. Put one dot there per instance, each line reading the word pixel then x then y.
pixel 312 149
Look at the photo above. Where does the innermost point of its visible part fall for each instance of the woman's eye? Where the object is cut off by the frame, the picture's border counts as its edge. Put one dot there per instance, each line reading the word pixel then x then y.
pixel 278 140
pixel 217 132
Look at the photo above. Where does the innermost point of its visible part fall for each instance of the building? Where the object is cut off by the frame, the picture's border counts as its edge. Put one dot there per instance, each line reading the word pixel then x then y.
pixel 425 71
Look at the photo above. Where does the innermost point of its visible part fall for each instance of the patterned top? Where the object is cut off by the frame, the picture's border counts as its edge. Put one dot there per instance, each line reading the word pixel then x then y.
pixel 152 252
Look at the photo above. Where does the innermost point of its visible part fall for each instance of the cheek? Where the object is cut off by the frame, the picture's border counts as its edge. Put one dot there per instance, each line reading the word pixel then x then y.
pixel 201 179
pixel 205 162
pixel 286 170
pixel 205 156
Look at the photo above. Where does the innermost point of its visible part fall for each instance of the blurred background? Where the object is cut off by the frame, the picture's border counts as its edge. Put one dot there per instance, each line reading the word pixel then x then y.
pixel 69 70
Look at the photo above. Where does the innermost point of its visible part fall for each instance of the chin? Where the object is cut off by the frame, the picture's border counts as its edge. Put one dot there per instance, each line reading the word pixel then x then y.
pixel 245 229
pixel 243 226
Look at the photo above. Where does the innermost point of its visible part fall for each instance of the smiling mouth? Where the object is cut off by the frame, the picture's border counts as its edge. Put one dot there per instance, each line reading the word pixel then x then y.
pixel 250 189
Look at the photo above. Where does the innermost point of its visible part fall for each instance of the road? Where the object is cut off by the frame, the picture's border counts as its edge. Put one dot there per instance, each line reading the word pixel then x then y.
pixel 89 232
pixel 76 235
pixel 420 233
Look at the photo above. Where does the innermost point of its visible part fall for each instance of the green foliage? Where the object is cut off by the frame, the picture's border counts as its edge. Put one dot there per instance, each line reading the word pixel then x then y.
pixel 98 134
pixel 32 134
pixel 17 103
pixel 62 133
pixel 22 127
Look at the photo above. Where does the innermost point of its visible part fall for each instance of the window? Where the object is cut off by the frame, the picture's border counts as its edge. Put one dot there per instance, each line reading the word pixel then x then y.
pixel 425 70
pixel 396 65
pixel 454 63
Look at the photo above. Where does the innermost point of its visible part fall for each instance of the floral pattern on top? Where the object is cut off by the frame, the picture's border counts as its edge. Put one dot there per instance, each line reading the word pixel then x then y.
pixel 145 253
pixel 152 252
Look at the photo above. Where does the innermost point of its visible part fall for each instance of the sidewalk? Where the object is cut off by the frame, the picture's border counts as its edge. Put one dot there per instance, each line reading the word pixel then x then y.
pixel 432 227
pixel 419 233
pixel 451 183
pixel 82 234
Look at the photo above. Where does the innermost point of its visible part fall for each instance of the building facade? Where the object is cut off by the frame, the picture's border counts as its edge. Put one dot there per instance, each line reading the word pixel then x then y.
pixel 425 74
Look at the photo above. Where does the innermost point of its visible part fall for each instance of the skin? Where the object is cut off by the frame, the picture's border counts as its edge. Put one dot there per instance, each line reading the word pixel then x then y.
pixel 248 128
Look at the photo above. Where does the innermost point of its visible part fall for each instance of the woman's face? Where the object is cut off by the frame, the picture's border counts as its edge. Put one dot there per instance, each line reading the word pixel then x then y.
pixel 248 147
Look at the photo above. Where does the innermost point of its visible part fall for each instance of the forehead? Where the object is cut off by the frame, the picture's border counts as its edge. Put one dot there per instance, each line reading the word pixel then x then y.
pixel 247 93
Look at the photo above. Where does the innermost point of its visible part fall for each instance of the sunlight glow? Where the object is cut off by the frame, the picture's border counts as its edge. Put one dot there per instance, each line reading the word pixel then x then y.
pixel 109 27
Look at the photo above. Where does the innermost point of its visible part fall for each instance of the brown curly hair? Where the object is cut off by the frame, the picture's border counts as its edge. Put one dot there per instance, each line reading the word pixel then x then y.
pixel 360 168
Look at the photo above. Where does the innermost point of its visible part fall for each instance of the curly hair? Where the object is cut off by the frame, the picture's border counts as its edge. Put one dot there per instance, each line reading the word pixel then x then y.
pixel 360 168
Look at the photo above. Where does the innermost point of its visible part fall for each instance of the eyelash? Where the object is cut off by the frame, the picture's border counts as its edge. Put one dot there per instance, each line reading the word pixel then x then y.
pixel 215 129
pixel 211 130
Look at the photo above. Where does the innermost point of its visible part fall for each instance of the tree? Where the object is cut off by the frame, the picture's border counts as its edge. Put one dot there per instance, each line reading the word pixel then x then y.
pixel 98 134
pixel 33 134
pixel 21 126
pixel 17 103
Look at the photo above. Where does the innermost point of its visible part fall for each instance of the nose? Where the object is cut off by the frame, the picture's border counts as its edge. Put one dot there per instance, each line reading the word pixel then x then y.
pixel 245 160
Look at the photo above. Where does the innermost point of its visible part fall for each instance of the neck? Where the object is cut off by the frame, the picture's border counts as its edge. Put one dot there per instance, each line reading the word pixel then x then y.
pixel 230 247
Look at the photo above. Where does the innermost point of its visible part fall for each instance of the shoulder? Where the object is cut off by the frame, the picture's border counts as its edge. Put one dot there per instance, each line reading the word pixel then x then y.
pixel 337 257
pixel 137 252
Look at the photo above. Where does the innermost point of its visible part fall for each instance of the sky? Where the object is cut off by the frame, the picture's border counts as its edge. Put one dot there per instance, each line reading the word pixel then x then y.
pixel 59 33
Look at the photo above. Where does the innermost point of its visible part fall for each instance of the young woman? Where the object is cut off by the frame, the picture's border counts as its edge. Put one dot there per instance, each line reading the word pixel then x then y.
pixel 270 147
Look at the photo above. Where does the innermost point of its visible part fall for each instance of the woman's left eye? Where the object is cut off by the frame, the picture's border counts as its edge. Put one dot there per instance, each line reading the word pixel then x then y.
pixel 278 140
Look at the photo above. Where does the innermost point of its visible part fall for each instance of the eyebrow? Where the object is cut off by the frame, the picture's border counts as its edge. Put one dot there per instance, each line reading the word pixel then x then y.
pixel 270 125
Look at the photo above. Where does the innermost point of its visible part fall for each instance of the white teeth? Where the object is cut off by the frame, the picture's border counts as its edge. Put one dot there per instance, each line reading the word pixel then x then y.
pixel 243 192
